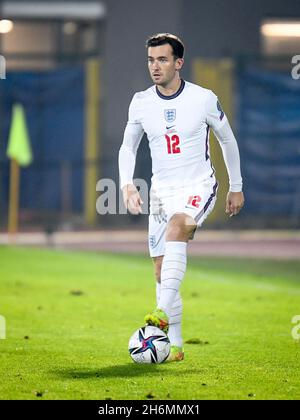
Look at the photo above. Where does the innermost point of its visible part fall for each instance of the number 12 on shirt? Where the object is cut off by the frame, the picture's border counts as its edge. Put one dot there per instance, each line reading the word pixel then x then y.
pixel 172 144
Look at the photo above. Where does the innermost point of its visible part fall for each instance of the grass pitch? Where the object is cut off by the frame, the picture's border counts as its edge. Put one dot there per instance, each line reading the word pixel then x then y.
pixel 69 316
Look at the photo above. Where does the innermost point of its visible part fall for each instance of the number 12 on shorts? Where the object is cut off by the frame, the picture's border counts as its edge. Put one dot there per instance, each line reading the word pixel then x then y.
pixel 173 144
pixel 194 200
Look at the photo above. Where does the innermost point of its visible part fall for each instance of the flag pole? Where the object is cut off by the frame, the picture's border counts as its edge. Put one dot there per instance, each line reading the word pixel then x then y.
pixel 19 152
pixel 14 191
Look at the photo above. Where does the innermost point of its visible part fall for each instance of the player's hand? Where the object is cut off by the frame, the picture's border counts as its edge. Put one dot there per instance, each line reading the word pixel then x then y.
pixel 234 203
pixel 132 199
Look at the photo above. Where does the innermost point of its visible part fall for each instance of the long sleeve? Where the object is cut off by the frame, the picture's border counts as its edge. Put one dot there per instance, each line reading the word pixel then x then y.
pixel 217 120
pixel 231 156
pixel 127 154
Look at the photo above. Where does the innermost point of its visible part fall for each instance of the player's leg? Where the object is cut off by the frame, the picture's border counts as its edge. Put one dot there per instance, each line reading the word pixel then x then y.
pixel 157 233
pixel 176 312
pixel 175 319
pixel 198 202
pixel 178 231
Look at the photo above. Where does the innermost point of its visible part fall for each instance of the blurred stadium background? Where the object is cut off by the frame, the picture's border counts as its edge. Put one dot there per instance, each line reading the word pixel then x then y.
pixel 74 67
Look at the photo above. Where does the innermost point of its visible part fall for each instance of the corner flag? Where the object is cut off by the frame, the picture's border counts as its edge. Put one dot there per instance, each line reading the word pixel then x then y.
pixel 19 151
pixel 19 144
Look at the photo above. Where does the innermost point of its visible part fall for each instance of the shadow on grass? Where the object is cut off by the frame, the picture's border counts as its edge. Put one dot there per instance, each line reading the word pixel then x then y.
pixel 127 370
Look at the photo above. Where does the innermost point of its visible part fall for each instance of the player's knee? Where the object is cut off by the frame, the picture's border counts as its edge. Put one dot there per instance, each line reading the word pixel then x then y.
pixel 180 227
pixel 174 232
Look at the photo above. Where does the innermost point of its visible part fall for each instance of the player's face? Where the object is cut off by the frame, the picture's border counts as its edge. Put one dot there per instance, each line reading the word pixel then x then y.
pixel 163 66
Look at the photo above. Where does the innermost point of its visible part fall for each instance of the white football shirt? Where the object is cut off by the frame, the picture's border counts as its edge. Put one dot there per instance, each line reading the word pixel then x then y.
pixel 177 128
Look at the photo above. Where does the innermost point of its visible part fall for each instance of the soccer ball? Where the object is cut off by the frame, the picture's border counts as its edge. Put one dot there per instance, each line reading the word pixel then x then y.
pixel 149 345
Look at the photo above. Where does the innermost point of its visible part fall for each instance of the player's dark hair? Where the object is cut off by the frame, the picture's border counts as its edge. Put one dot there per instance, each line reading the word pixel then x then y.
pixel 166 38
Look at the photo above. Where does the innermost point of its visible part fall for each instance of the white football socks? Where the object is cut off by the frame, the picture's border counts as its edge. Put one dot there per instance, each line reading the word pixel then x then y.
pixel 175 318
pixel 172 272
pixel 167 292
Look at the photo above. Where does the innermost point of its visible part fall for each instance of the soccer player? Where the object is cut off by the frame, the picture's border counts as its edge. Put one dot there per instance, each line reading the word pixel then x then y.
pixel 177 116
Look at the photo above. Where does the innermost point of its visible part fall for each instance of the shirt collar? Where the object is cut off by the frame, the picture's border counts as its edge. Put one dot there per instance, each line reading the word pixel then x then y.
pixel 168 97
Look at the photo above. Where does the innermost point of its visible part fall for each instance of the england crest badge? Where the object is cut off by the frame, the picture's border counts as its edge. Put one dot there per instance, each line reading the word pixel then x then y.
pixel 170 115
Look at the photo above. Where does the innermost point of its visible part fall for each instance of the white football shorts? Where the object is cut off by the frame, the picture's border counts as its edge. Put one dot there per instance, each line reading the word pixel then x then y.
pixel 197 200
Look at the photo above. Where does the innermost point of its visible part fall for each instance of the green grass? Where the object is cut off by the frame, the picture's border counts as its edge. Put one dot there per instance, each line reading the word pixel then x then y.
pixel 76 345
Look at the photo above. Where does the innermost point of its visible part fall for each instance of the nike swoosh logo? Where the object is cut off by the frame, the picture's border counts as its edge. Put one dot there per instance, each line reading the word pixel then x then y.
pixel 168 128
